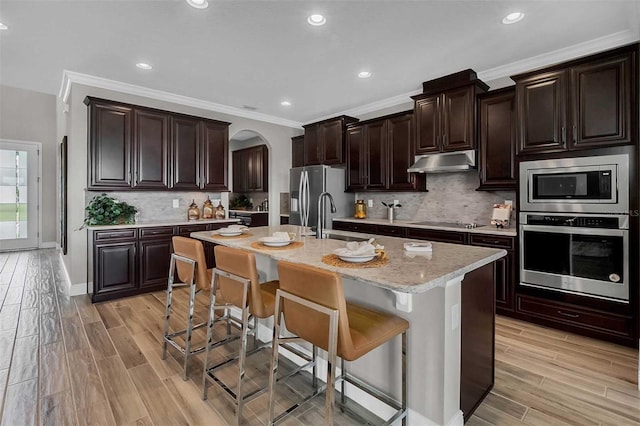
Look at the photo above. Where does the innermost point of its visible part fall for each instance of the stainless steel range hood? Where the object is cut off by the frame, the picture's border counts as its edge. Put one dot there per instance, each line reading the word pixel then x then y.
pixel 444 162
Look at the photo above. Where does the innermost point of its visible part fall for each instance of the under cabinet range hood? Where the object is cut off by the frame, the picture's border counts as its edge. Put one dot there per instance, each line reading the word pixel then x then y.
pixel 443 162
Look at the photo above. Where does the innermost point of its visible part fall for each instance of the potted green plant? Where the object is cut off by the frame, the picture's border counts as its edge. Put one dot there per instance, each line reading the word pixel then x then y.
pixel 106 210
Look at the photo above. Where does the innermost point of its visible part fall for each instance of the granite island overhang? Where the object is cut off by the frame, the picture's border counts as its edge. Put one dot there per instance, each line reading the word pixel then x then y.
pixel 428 292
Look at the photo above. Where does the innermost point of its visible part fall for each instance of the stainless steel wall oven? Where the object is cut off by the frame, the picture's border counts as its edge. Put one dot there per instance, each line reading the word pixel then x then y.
pixel 588 255
pixel 574 225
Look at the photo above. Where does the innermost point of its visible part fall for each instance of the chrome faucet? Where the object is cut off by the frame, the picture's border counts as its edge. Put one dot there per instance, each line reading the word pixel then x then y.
pixel 321 213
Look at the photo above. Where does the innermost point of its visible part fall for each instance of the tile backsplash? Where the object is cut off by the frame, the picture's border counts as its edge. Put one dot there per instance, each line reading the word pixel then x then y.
pixel 452 197
pixel 158 205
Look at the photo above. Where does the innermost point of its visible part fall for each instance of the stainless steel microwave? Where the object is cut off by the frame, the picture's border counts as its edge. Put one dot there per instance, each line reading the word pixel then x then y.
pixel 597 184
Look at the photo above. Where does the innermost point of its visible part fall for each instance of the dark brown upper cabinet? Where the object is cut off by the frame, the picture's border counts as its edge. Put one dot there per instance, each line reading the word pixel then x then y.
pixel 585 103
pixel 497 140
pixel 151 142
pixel 132 147
pixel 542 112
pixel 379 151
pixel 600 95
pixel 251 169
pixel 297 151
pixel 400 131
pixel 109 145
pixel 215 156
pixel 186 145
pixel 445 113
pixel 324 142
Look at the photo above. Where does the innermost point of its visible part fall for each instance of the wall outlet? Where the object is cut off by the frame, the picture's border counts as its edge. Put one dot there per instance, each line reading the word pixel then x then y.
pixel 176 204
pixel 396 201
pixel 455 316
pixel 369 203
pixel 509 202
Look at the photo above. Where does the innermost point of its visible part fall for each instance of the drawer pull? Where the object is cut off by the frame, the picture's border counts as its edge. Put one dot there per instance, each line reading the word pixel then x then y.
pixel 566 314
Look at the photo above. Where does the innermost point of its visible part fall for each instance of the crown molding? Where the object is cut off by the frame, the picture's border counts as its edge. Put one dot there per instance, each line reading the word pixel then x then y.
pixel 575 51
pixel 70 77
pixel 561 55
pixel 371 107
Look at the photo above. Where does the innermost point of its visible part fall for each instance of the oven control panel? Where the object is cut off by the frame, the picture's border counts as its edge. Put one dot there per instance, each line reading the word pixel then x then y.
pixel 575 221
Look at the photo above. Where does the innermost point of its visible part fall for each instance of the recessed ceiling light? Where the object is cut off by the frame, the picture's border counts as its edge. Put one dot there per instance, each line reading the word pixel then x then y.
pixel 285 103
pixel 198 4
pixel 364 74
pixel 3 26
pixel 316 20
pixel 512 18
pixel 143 66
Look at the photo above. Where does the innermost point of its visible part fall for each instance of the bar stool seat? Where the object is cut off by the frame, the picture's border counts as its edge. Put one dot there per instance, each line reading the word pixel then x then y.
pixel 369 329
pixel 312 304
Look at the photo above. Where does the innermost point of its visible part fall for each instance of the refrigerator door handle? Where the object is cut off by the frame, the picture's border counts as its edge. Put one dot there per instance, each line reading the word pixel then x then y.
pixel 306 198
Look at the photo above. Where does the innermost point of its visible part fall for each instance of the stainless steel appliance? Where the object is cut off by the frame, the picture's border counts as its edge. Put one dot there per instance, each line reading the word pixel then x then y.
pixel 306 184
pixel 583 254
pixel 598 184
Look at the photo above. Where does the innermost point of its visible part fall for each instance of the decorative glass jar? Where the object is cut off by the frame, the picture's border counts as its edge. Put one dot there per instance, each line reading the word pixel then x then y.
pixel 194 211
pixel 207 209
pixel 360 210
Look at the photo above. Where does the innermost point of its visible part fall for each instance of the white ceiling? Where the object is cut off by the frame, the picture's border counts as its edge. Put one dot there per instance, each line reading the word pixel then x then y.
pixel 259 53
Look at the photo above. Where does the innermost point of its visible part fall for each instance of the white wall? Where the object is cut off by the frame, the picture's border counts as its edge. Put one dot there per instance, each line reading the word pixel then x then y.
pixel 278 138
pixel 30 116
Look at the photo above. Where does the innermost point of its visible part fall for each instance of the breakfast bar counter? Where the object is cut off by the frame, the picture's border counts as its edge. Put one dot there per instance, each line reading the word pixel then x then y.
pixel 446 295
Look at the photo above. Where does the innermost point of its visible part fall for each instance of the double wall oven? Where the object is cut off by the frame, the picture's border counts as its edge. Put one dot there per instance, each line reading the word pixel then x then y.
pixel 574 225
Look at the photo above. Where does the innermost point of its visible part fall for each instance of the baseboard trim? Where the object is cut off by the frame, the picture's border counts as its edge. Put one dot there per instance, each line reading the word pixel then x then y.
pixel 48 244
pixel 72 289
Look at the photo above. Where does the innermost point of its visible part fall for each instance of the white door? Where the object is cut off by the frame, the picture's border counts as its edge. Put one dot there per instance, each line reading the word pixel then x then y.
pixel 19 174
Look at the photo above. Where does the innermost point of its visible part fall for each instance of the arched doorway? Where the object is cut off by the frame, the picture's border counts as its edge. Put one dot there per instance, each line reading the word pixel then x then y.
pixel 248 188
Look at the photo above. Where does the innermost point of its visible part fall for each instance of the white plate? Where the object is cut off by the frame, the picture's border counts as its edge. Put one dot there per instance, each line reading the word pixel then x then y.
pixel 276 243
pixel 232 233
pixel 273 242
pixel 357 258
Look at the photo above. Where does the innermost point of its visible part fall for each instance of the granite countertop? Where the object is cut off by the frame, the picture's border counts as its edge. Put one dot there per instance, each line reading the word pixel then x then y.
pixel 405 273
pixel 145 224
pixel 249 211
pixel 483 229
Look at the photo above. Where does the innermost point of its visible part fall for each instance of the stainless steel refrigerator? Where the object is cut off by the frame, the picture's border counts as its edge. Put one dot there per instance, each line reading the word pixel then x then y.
pixel 305 186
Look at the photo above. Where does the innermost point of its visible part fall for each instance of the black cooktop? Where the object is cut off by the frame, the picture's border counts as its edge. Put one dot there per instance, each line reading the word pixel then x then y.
pixel 447 224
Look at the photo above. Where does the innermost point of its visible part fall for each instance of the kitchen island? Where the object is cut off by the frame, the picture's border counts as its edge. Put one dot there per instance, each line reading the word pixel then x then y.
pixel 446 296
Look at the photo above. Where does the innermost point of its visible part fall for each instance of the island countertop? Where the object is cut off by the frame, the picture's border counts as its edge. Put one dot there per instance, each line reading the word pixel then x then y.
pixel 405 272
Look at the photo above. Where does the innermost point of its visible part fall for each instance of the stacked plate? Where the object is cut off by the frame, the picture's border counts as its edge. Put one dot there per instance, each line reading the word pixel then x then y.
pixel 232 230
pixel 278 239
pixel 349 256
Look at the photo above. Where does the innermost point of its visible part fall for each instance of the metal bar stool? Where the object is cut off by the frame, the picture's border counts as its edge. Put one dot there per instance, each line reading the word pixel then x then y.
pixel 236 281
pixel 190 263
pixel 311 301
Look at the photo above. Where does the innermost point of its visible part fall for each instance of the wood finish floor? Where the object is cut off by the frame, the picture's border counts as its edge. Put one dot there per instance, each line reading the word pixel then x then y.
pixel 66 361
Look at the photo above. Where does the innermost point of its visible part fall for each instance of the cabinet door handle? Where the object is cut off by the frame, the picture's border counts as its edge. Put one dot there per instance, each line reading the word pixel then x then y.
pixel 575 134
pixel 564 135
pixel 566 314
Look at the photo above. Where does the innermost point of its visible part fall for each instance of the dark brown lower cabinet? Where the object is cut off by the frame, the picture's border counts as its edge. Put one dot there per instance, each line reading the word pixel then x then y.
pixel 132 261
pixel 477 319
pixel 115 271
pixel 154 256
pixel 505 268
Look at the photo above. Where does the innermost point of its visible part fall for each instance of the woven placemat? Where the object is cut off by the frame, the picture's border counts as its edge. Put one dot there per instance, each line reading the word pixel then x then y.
pixel 224 237
pixel 334 260
pixel 293 245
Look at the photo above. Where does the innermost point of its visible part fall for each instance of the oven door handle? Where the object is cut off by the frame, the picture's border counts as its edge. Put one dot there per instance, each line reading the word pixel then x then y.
pixel 575 230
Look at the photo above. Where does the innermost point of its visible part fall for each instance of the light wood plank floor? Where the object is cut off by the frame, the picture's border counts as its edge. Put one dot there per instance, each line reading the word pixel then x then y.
pixel 66 361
